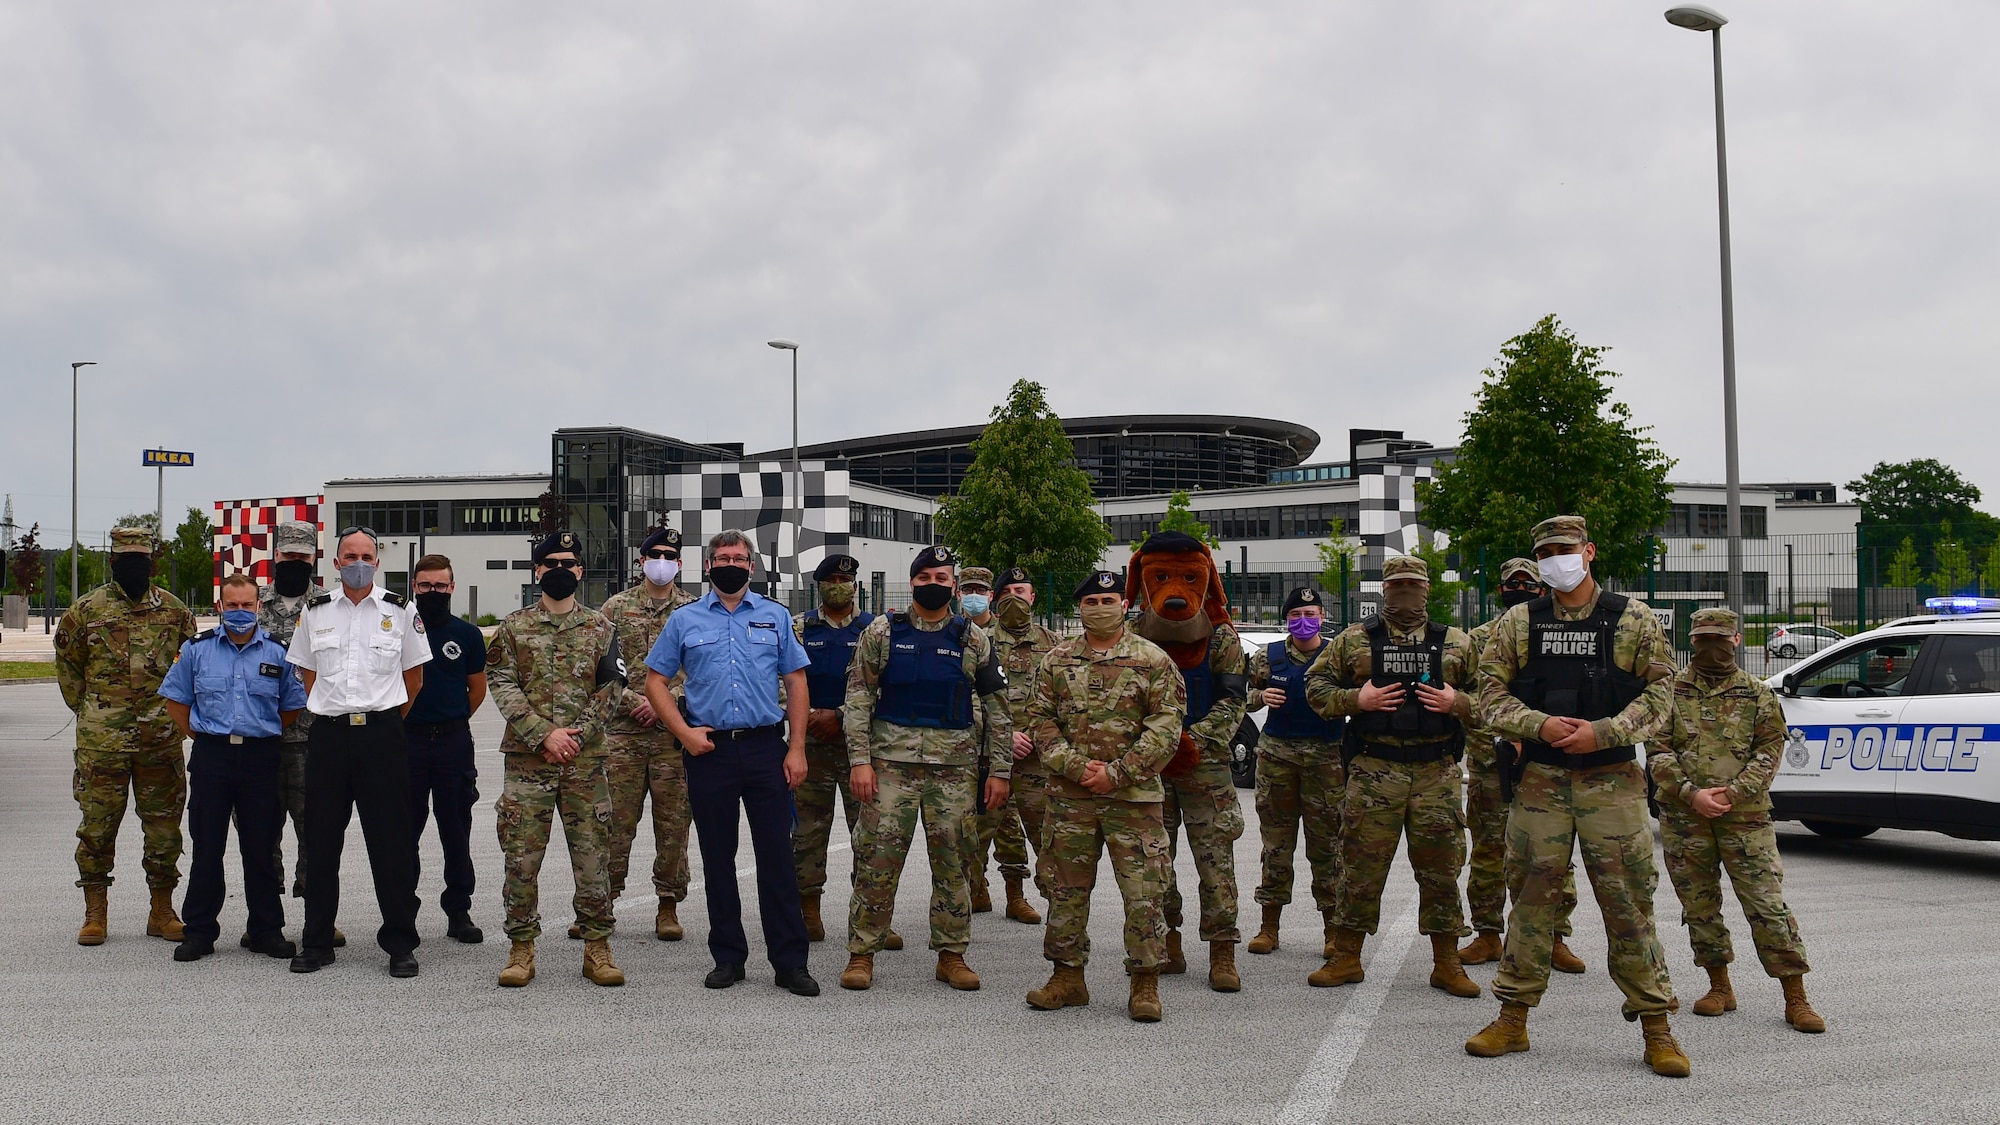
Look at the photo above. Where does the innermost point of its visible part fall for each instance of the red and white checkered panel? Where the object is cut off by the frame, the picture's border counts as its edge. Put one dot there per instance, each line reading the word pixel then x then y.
pixel 242 532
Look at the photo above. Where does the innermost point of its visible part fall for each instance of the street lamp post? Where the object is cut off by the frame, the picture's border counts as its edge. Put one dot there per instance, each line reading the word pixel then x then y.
pixel 1694 17
pixel 73 539
pixel 798 478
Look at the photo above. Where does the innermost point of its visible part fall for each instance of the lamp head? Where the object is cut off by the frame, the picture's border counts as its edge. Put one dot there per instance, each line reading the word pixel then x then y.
pixel 1696 17
pixel 785 345
pixel 85 363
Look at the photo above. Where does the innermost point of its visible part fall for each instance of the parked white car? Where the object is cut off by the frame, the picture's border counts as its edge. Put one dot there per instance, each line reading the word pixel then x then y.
pixel 1787 641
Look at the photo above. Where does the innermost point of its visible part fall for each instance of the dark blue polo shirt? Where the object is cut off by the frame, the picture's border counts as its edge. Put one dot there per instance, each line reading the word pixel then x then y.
pixel 458 650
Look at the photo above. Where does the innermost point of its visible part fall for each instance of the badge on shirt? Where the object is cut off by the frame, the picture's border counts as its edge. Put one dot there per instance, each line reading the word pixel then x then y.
pixel 388 623
pixel 272 670
pixel 762 625
pixel 418 624
pixel 452 651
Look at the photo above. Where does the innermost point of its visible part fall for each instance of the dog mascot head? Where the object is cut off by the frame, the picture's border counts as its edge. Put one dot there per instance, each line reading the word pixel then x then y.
pixel 1173 581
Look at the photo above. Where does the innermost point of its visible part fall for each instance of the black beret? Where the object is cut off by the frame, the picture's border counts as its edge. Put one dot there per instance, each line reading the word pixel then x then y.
pixel 929 557
pixel 664 537
pixel 835 567
pixel 1101 582
pixel 560 541
pixel 1304 595
pixel 1012 575
pixel 1171 542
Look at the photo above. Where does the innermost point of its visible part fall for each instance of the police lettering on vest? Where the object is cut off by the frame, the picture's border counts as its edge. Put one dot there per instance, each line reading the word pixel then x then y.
pixel 1296 719
pixel 831 650
pixel 1569 673
pixel 924 682
pixel 1408 665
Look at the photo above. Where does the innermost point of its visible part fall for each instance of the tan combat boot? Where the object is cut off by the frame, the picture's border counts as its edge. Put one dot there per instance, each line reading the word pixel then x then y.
pixel 1222 975
pixel 520 965
pixel 815 929
pixel 1176 962
pixel 1144 1006
pixel 1663 1051
pixel 1064 990
pixel 893 941
pixel 163 922
pixel 952 969
pixel 860 972
pixel 667 923
pixel 1446 972
pixel 1798 1013
pixel 1563 959
pixel 1503 1036
pixel 1343 962
pixel 93 929
pixel 597 966
pixel 1330 951
pixel 982 895
pixel 1720 998
pixel 1266 940
pixel 1487 946
pixel 1018 907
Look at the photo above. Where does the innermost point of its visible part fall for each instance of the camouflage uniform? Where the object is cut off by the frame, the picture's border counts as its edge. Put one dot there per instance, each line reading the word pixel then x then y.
pixel 1299 781
pixel 1009 828
pixel 1486 821
pixel 542 671
pixel 1124 708
pixel 280 620
pixel 1205 800
pixel 921 773
pixel 645 760
pixel 1386 801
pixel 112 651
pixel 826 776
pixel 1729 733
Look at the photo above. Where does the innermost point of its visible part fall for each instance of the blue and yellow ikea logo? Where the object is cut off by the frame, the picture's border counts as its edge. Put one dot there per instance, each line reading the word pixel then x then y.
pixel 157 457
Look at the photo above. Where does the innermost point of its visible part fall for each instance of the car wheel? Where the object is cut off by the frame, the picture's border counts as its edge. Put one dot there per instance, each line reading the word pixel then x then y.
pixel 1833 831
pixel 1243 755
pixel 1784 652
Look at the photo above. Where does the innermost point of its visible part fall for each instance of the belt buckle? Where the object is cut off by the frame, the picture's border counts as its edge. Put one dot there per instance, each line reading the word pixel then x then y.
pixel 236 740
pixel 358 719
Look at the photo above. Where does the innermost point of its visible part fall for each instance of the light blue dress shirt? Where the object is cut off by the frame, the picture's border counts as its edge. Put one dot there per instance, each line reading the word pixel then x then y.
pixel 233 689
pixel 733 660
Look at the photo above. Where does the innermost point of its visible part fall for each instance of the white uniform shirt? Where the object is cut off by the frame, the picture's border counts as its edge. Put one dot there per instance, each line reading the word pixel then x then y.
pixel 358 652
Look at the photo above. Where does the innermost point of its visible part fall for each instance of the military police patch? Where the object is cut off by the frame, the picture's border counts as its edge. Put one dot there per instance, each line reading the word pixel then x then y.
pixel 1106 581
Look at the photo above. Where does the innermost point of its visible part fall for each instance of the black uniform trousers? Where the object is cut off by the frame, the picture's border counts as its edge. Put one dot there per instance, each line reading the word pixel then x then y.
pixel 442 775
pixel 751 771
pixel 367 768
pixel 238 781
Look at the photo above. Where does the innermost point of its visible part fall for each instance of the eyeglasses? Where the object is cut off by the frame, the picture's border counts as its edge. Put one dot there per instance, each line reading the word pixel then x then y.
pixel 1519 584
pixel 729 560
pixel 663 553
pixel 563 564
pixel 433 587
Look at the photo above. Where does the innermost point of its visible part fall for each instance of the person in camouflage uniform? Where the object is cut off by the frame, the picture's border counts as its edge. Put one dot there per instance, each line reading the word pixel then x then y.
pixel 557 676
pixel 1301 779
pixel 294 558
pixel 913 730
pixel 1713 773
pixel 1007 829
pixel 642 757
pixel 1580 678
pixel 1105 718
pixel 1486 813
pixel 1405 687
pixel 112 648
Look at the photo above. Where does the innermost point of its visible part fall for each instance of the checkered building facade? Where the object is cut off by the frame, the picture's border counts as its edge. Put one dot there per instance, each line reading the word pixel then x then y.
pixel 241 531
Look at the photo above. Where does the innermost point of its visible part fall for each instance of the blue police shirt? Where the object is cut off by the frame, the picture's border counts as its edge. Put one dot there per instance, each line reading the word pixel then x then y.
pixel 733 660
pixel 234 689
pixel 458 650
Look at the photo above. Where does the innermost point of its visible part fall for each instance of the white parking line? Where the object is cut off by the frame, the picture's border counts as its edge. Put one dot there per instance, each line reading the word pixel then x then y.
pixel 1313 1096
pixel 695 887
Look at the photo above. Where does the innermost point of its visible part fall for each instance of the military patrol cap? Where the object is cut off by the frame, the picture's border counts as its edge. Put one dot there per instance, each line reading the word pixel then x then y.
pixel 1564 531
pixel 836 568
pixel 1012 575
pixel 295 535
pixel 1405 566
pixel 1171 542
pixel 929 557
pixel 131 539
pixel 1713 622
pixel 664 537
pixel 1101 582
pixel 976 576
pixel 1522 566
pixel 560 541
pixel 1303 596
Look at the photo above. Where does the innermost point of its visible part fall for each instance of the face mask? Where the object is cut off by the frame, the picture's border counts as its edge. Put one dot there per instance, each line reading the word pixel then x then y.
pixel 728 579
pixel 976 604
pixel 1014 611
pixel 1511 598
pixel 434 608
pixel 358 575
pixel 559 582
pixel 132 571
pixel 1102 621
pixel 1713 656
pixel 1563 572
pixel 1303 628
pixel 291 577
pixel 662 572
pixel 239 621
pixel 1404 604
pixel 836 595
pixel 933 597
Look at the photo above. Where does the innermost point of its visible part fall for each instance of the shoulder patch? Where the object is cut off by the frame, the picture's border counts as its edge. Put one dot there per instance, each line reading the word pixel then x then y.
pixel 395 599
pixel 320 599
pixel 206 634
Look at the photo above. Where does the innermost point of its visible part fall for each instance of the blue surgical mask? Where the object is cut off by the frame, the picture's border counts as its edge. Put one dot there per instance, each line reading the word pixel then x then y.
pixel 975 605
pixel 239 621
pixel 358 575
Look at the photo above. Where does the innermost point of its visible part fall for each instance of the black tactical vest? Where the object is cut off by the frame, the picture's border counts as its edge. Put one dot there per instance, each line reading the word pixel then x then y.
pixel 1408 665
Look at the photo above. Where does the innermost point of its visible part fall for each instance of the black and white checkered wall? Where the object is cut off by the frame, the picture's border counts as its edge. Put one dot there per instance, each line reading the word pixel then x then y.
pixel 757 497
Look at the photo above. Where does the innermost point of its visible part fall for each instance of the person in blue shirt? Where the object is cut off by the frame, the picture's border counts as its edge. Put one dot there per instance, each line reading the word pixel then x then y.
pixel 442 773
pixel 740 747
pixel 232 692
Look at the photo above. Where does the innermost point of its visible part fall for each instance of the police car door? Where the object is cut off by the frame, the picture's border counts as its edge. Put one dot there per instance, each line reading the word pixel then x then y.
pixel 1954 713
pixel 1841 715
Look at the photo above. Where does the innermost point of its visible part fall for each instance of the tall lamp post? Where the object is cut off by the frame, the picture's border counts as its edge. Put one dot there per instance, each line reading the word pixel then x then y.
pixel 798 479
pixel 73 368
pixel 1694 17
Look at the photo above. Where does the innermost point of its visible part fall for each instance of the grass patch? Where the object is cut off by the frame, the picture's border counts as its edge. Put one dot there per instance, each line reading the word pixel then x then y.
pixel 27 669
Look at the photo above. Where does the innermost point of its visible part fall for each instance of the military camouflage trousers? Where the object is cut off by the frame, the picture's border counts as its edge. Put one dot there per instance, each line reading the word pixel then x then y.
pixel 1291 794
pixel 906 793
pixel 292 799
pixel 1384 803
pixel 1698 850
pixel 157 779
pixel 638 766
pixel 1604 811
pixel 533 793
pixel 1486 878
pixel 1205 801
pixel 1005 829
pixel 812 809
pixel 1078 830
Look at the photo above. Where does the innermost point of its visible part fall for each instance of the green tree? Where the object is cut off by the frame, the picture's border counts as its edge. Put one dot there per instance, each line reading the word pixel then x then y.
pixel 1180 517
pixel 1443 603
pixel 1989 572
pixel 1954 573
pixel 24 562
pixel 1903 569
pixel 1339 565
pixel 1024 502
pixel 1921 499
pixel 1544 438
pixel 147 520
pixel 188 562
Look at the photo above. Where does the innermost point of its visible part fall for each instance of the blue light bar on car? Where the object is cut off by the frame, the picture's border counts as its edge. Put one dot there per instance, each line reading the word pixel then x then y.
pixel 1962 604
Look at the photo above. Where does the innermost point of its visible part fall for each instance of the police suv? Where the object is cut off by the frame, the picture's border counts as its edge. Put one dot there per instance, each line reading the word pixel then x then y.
pixel 1898 727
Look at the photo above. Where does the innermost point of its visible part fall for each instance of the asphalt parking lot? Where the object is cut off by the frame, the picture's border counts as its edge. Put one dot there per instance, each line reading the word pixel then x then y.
pixel 1900 927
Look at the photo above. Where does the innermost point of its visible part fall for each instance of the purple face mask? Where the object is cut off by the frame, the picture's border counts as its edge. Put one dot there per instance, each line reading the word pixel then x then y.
pixel 1303 628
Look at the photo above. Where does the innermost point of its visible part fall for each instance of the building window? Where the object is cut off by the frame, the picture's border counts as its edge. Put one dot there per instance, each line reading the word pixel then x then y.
pixel 391 517
pixel 1286 521
pixel 877 521
pixel 496 517
pixel 496 564
pixel 1711 521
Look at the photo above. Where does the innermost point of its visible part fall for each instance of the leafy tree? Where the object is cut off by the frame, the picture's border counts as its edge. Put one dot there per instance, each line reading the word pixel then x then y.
pixel 1954 573
pixel 1989 571
pixel 147 520
pixel 1903 569
pixel 1339 565
pixel 1024 502
pixel 1921 499
pixel 1443 603
pixel 1545 439
pixel 1180 517
pixel 188 560
pixel 553 512
pixel 24 560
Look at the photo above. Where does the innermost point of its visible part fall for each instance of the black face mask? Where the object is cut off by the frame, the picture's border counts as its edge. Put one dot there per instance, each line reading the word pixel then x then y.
pixel 933 597
pixel 1512 598
pixel 435 608
pixel 291 577
pixel 558 583
pixel 132 571
pixel 729 579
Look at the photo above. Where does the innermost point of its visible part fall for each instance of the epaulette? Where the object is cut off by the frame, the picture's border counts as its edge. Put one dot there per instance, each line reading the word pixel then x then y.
pixel 206 634
pixel 395 599
pixel 319 599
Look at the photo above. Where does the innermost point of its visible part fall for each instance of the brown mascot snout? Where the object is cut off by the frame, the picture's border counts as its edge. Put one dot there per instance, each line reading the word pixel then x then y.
pixel 1173 580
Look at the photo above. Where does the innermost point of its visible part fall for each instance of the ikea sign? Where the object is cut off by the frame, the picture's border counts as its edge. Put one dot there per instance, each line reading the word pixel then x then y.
pixel 160 458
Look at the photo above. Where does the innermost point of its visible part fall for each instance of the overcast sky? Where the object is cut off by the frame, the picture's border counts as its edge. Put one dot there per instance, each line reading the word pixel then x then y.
pixel 326 240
